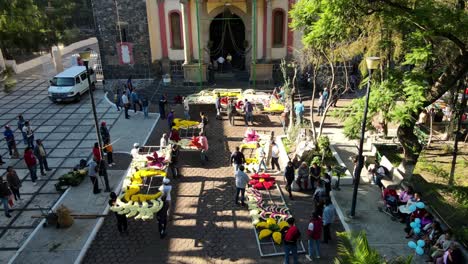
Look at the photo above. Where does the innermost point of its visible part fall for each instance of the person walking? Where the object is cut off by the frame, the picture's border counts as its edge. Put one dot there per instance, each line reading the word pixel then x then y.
pixel 284 119
pixel 324 103
pixel 170 119
pixel 320 104
pixel 186 108
pixel 289 175
pixel 162 106
pixel 136 101
pixel 29 134
pixel 203 122
pixel 162 216
pixel 109 153
pixel 231 112
pixel 328 218
pixel 105 136
pixel 92 173
pixel 21 122
pixel 11 143
pixel 203 141
pixel 314 233
pixel 241 181
pixel 31 163
pixel 126 104
pixel 166 189
pixel 4 196
pixel 41 155
pixel 13 182
pixel 121 218
pixel 274 156
pixel 218 107
pixel 237 159
pixel 291 237
pixel 261 156
pixel 299 109
pixel 145 105
pixel 117 99
pixel 248 110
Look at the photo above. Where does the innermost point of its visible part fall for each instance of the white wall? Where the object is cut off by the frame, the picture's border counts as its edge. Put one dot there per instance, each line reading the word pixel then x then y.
pixel 279 53
pixel 153 29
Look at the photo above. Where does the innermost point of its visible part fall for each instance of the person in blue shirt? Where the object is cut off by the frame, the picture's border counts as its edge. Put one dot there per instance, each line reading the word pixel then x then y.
pixel 11 143
pixel 136 101
pixel 328 218
pixel 299 109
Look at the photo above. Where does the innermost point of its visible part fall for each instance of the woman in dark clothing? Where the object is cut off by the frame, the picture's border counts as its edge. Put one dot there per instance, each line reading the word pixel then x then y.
pixel 289 175
pixel 14 182
pixel 314 173
pixel 121 218
pixel 161 215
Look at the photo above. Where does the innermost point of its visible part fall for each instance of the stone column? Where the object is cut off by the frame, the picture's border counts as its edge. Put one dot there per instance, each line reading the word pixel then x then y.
pixel 269 30
pixel 184 8
pixel 57 59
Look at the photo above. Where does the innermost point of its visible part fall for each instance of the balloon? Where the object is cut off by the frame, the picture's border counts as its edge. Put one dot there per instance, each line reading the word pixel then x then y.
pixel 412 245
pixel 412 224
pixel 417 230
pixel 420 205
pixel 418 225
pixel 412 208
pixel 420 251
pixel 421 243
pixel 417 221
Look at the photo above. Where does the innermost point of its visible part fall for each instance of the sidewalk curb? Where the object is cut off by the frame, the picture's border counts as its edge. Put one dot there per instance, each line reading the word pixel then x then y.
pixel 340 213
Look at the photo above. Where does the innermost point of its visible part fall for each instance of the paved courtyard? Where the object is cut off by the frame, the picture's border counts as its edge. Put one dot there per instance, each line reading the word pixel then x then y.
pixel 68 135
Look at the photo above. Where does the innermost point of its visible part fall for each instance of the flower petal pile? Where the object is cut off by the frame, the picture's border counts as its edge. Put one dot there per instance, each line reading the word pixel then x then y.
pixel 184 124
pixel 262 181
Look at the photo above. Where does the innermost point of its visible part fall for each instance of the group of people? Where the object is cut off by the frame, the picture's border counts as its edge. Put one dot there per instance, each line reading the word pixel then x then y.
pixel 129 97
pixel 439 244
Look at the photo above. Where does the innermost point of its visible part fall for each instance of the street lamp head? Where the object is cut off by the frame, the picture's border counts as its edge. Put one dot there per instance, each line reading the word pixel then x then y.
pixel 372 63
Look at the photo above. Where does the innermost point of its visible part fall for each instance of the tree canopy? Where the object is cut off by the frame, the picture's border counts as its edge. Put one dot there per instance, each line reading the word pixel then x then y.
pixel 422 46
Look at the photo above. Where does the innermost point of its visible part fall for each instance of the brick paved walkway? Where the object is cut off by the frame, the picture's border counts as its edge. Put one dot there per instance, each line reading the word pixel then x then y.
pixel 206 226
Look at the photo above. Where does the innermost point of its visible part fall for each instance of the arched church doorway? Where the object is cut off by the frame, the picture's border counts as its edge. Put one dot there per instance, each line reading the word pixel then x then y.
pixel 227 39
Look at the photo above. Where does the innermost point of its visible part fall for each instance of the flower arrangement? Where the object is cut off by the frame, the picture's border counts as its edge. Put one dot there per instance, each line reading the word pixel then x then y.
pixel 273 228
pixel 184 124
pixel 259 211
pixel 251 136
pixel 155 161
pixel 262 182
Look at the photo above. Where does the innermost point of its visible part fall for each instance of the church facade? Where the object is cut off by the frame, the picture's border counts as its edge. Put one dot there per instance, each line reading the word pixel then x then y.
pixel 144 38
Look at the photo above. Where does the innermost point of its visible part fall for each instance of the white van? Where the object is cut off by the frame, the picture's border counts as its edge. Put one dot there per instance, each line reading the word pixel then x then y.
pixel 70 84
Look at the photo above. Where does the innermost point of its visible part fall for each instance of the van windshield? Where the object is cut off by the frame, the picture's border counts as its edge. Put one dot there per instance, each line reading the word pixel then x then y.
pixel 63 81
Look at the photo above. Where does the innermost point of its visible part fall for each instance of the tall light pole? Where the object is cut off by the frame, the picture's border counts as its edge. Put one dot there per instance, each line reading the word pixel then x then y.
pixel 85 56
pixel 372 64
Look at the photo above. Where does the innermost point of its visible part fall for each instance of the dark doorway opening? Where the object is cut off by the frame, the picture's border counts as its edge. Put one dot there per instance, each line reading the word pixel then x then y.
pixel 227 37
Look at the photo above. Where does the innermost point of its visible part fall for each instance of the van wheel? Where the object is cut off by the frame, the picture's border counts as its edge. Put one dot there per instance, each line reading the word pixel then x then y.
pixel 78 97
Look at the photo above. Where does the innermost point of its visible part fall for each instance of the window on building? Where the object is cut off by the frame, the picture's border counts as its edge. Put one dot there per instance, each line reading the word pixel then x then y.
pixel 278 28
pixel 176 31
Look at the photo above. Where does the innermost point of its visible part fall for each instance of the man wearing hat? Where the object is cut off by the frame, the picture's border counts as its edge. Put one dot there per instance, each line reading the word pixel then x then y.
pixel 135 150
pixel 11 143
pixel 166 191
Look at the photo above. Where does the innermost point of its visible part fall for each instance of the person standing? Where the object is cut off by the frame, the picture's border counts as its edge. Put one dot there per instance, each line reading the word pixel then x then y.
pixel 325 96
pixel 117 99
pixel 299 109
pixel 29 134
pixel 170 119
pixel 261 156
pixel 162 106
pixel 328 218
pixel 291 237
pixel 203 141
pixel 314 173
pixel 126 104
pixel 186 108
pixel 92 173
pixel 11 143
pixel 320 105
pixel 14 182
pixel 241 181
pixel 110 159
pixel 31 163
pixel 203 123
pixel 163 141
pixel 314 233
pixel 104 133
pixel 129 83
pixel 135 152
pixel 41 154
pixel 237 159
pixel 166 189
pixel 162 216
pixel 327 180
pixel 221 61
pixel 231 112
pixel 4 196
pixel 274 156
pixel 218 107
pixel 145 104
pixel 121 218
pixel 289 175
pixel 136 101
pixel 20 128
pixel 97 153
pixel 284 119
pixel 248 110
pixel 1 160
pixel 303 176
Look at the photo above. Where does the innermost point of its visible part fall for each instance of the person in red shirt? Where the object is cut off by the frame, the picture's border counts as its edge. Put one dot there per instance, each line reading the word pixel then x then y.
pixel 291 237
pixel 31 163
pixel 203 141
pixel 314 233
pixel 97 153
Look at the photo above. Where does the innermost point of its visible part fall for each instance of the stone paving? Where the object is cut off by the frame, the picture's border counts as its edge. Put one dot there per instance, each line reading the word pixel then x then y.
pixel 68 134
pixel 206 225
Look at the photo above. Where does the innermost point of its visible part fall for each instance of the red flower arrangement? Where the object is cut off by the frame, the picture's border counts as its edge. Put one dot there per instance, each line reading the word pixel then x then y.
pixel 262 182
pixel 195 143
pixel 155 160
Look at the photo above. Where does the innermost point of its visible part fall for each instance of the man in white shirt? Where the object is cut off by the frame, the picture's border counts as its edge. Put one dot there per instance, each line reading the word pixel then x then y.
pixel 241 181
pixel 220 61
pixel 261 156
pixel 186 109
pixel 163 142
pixel 135 150
pixel 126 104
pixel 274 156
pixel 166 189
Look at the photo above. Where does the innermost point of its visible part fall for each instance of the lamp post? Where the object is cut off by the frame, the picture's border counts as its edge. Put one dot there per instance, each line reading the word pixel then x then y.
pixel 372 64
pixel 85 56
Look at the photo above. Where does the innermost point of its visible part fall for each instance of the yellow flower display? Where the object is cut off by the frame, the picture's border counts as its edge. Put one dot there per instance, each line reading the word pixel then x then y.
pixel 275 108
pixel 248 146
pixel 184 124
pixel 251 161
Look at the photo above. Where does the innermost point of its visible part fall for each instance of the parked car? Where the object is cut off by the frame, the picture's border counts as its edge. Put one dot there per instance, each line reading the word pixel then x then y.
pixel 70 84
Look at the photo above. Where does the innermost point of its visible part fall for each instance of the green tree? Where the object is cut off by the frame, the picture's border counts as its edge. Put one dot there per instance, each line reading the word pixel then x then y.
pixel 422 45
